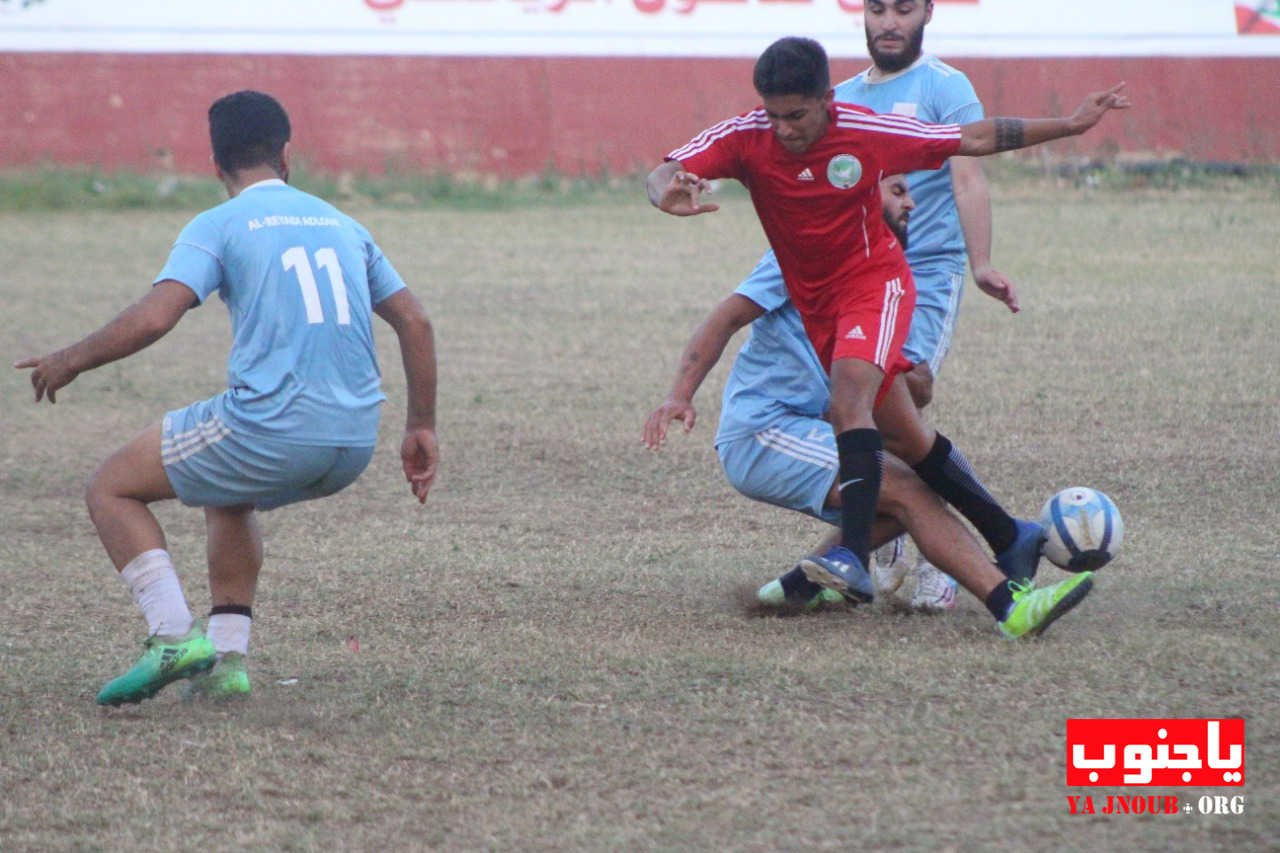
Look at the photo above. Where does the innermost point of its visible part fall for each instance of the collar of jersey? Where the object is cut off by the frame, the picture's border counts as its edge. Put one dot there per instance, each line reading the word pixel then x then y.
pixel 924 57
pixel 269 182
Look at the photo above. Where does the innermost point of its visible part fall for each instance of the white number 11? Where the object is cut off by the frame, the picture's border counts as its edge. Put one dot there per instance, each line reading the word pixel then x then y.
pixel 327 259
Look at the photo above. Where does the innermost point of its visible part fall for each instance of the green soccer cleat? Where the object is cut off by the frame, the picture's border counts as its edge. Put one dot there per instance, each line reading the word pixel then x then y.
pixel 822 599
pixel 772 595
pixel 165 660
pixel 229 679
pixel 1034 610
pixel 793 590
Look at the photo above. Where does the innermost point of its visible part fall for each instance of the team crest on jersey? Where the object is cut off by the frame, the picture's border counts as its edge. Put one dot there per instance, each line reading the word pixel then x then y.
pixel 844 171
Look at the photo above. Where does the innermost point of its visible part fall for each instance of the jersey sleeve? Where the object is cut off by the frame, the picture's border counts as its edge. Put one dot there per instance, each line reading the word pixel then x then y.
pixel 765 286
pixel 904 144
pixel 196 258
pixel 715 153
pixel 957 102
pixel 383 278
pixel 384 281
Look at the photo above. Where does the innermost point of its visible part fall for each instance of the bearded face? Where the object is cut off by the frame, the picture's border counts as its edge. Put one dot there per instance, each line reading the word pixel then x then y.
pixel 897 203
pixel 895 32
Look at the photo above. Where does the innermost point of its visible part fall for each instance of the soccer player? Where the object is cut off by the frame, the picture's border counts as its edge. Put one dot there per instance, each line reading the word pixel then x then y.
pixel 952 221
pixel 775 445
pixel 298 421
pixel 774 442
pixel 812 167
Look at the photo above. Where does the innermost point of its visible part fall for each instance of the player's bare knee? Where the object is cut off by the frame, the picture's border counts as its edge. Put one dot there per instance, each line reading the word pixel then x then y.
pixel 854 385
pixel 895 488
pixel 849 414
pixel 910 438
pixel 920 384
pixel 894 444
pixel 96 493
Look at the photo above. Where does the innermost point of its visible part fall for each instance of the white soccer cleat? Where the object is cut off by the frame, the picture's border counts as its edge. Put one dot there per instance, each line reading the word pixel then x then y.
pixel 935 590
pixel 889 566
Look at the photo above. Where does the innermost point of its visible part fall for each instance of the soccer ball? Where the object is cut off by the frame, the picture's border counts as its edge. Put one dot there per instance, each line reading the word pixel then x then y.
pixel 1084 529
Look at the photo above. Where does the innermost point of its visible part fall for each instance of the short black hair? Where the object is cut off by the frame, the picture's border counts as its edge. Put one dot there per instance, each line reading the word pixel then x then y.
pixel 247 129
pixel 793 66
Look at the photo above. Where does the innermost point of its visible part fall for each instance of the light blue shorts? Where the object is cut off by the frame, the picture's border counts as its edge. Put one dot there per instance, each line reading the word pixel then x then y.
pixel 934 322
pixel 791 464
pixel 209 464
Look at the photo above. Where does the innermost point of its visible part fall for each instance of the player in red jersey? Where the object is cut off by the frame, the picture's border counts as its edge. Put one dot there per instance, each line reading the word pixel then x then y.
pixel 813 167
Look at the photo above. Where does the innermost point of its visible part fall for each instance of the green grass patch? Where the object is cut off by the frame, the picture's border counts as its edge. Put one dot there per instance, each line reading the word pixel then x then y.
pixel 58 188
pixel 62 188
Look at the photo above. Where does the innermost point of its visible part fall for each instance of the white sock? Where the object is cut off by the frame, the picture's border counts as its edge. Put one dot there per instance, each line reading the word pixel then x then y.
pixel 156 589
pixel 229 632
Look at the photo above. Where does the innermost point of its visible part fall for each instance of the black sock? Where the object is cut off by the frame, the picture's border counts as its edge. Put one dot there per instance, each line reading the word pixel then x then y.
pixel 797 587
pixel 999 600
pixel 945 469
pixel 237 609
pixel 859 483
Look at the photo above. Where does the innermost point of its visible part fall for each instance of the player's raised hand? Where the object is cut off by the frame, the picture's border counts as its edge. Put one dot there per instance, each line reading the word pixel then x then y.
pixel 1096 105
pixel 49 373
pixel 655 429
pixel 682 195
pixel 420 458
pixel 998 286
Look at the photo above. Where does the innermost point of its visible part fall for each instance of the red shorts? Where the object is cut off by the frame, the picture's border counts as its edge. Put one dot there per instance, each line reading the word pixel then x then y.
pixel 870 323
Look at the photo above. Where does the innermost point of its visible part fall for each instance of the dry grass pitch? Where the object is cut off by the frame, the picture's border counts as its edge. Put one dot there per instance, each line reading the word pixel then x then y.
pixel 554 653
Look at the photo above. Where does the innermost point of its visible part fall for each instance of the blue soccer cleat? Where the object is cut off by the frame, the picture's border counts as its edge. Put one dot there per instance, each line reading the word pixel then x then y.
pixel 1021 559
pixel 840 570
pixel 795 590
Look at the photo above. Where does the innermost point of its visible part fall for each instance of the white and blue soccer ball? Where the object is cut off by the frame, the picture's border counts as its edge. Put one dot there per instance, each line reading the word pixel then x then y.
pixel 1084 529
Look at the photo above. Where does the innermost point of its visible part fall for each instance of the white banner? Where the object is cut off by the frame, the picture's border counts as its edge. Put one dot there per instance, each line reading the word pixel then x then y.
pixel 631 28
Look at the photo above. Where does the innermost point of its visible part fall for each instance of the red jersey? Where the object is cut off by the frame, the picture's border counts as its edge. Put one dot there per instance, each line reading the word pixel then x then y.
pixel 821 210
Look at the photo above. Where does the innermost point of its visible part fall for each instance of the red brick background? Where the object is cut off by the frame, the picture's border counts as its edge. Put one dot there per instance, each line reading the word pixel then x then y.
pixel 513 117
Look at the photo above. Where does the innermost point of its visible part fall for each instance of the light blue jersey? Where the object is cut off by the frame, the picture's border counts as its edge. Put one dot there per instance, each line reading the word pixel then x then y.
pixel 776 372
pixel 299 278
pixel 772 442
pixel 931 91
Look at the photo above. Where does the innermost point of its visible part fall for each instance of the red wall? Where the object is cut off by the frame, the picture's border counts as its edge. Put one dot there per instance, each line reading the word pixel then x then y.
pixel 518 116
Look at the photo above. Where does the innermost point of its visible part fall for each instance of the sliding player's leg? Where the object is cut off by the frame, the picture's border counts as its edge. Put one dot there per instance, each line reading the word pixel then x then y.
pixel 1015 542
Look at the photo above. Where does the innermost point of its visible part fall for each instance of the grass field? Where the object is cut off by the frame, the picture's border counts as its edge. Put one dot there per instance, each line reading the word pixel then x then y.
pixel 554 653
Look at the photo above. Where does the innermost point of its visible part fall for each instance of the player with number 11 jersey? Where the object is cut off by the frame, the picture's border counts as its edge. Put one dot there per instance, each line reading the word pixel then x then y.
pixel 299 277
pixel 298 421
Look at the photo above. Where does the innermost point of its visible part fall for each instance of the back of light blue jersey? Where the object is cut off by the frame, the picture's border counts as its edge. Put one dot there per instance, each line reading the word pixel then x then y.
pixel 931 91
pixel 299 278
pixel 777 371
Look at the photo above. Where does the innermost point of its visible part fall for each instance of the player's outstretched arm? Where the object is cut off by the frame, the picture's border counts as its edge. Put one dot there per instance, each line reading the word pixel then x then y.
pixel 419 451
pixel 700 355
pixel 136 327
pixel 673 190
pixel 992 135
pixel 973 203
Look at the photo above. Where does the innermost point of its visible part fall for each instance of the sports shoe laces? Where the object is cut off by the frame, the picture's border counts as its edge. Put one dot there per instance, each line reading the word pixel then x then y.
pixel 933 583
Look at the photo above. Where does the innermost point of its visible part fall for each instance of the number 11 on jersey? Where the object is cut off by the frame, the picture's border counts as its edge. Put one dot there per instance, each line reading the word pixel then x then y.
pixel 327 259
